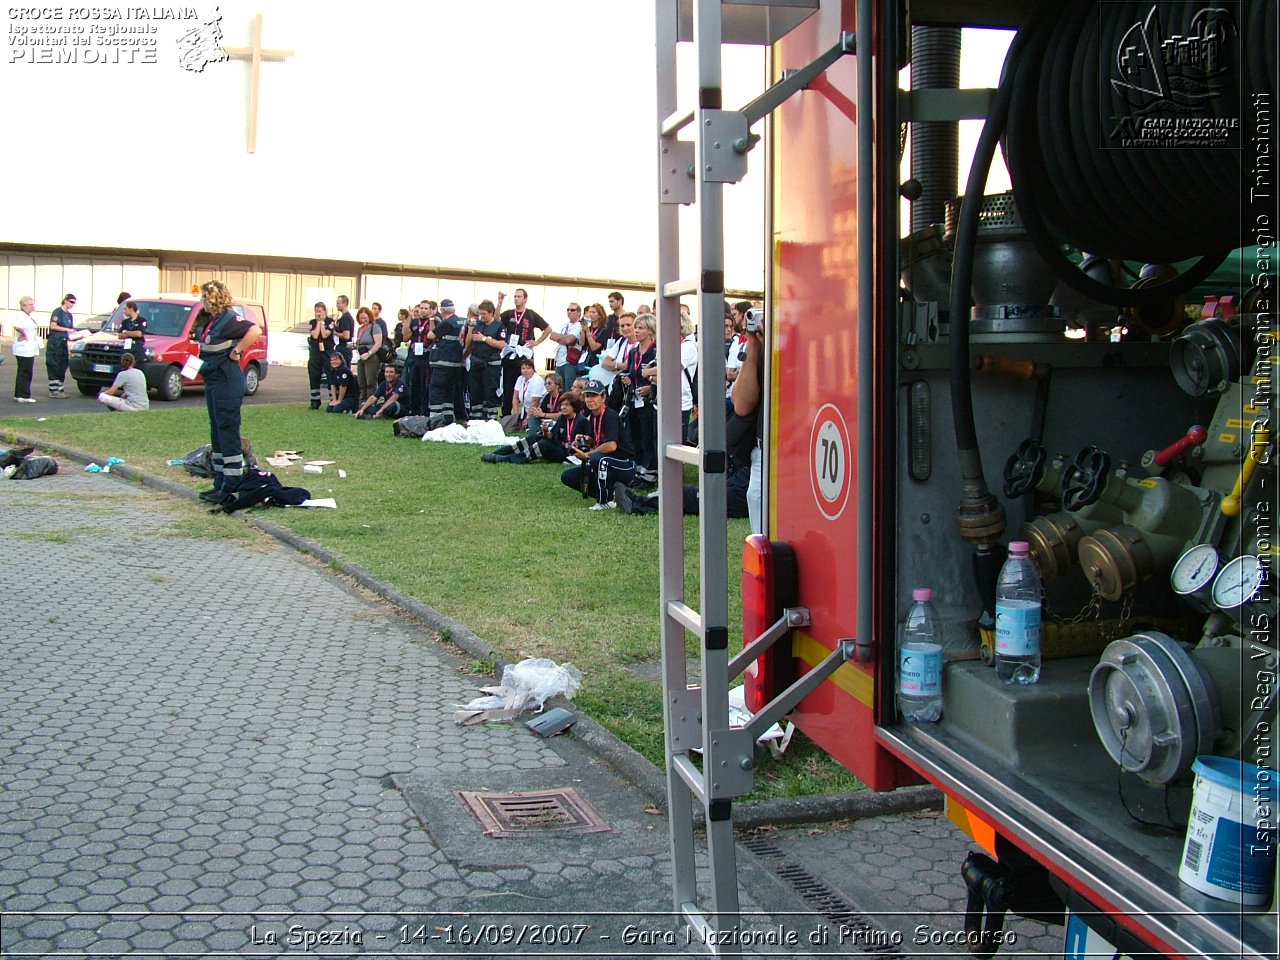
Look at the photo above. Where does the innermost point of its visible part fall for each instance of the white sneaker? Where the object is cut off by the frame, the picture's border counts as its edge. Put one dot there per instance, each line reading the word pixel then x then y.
pixel 599 506
pixel 25 399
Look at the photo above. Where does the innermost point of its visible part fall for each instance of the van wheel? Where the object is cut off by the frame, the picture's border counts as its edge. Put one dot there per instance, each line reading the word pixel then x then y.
pixel 252 379
pixel 171 384
pixel 87 388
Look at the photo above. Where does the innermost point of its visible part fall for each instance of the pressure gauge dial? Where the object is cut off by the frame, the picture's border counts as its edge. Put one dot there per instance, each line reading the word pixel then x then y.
pixel 1194 572
pixel 1238 582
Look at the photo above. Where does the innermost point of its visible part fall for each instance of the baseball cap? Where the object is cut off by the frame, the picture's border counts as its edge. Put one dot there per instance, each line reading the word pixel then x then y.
pixel 593 386
pixel 445 303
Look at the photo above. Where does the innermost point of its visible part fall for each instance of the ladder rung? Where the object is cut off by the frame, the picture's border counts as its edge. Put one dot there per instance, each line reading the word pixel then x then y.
pixel 698 921
pixel 690 774
pixel 683 453
pixel 679 288
pixel 676 122
pixel 686 616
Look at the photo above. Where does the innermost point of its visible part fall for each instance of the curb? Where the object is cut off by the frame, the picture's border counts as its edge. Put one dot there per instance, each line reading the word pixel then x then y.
pixel 631 765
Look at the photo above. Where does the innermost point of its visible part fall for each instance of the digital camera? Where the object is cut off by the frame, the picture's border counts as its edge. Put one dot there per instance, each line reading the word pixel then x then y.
pixel 754 321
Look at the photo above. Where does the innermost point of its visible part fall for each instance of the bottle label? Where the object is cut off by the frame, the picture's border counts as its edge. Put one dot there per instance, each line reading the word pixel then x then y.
pixel 1017 628
pixel 920 670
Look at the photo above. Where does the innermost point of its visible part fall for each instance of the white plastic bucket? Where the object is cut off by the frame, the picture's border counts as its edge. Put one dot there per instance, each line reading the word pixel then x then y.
pixel 1230 850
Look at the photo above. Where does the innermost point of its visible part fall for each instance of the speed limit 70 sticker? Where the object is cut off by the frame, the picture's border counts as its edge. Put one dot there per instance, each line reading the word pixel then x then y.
pixel 829 469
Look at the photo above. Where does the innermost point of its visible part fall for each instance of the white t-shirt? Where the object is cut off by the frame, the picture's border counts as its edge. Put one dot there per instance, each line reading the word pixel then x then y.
pixel 733 359
pixel 24 336
pixel 617 349
pixel 528 392
pixel 133 388
pixel 562 352
pixel 689 362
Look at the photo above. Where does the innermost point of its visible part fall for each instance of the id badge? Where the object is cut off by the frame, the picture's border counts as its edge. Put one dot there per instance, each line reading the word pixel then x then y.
pixel 417 349
pixel 128 345
pixel 191 369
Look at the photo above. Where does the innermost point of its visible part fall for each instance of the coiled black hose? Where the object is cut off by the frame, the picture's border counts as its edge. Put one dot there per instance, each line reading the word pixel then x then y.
pixel 1071 186
pixel 1077 181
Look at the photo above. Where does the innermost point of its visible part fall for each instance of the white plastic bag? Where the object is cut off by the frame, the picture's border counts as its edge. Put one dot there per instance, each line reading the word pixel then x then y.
pixel 533 682
pixel 530 683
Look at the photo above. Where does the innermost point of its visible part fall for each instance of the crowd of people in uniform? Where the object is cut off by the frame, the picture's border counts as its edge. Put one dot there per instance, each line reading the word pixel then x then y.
pixel 595 412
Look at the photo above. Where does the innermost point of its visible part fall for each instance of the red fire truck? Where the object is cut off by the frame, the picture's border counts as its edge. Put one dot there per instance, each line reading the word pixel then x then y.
pixel 1085 362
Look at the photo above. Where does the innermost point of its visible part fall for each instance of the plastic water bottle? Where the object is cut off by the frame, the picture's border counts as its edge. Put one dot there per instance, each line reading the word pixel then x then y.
pixel 920 661
pixel 1018 617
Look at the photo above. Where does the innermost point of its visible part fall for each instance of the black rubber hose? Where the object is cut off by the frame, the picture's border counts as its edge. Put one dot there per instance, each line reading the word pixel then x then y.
pixel 1073 183
pixel 963 255
pixel 1082 198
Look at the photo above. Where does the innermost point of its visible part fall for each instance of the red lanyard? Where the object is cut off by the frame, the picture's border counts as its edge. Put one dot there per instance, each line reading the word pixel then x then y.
pixel 597 427
pixel 517 317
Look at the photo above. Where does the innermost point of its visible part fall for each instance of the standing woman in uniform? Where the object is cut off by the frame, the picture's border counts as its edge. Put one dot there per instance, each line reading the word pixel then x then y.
pixel 225 336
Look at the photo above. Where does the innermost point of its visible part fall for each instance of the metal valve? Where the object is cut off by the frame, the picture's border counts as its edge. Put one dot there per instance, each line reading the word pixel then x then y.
pixel 1085 478
pixel 1025 469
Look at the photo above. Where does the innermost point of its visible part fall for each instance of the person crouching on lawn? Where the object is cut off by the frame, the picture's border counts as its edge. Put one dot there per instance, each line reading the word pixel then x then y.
pixel 387 402
pixel 342 385
pixel 129 392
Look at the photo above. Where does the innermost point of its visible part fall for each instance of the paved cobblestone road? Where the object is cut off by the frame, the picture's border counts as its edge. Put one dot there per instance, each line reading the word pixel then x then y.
pixel 214 746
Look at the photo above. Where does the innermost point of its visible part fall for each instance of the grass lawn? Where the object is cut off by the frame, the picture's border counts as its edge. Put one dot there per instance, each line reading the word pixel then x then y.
pixel 507 550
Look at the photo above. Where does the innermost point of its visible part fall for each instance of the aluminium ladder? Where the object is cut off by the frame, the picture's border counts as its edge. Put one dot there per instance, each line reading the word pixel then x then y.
pixel 697 716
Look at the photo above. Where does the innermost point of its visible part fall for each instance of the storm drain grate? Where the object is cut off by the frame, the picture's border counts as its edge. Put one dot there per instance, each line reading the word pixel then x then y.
pixel 524 813
pixel 826 901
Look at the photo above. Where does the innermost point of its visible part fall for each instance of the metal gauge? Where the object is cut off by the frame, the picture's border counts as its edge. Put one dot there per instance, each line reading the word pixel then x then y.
pixel 1238 582
pixel 1194 571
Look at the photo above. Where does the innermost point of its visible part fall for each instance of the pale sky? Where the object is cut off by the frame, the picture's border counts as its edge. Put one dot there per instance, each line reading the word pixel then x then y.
pixel 497 134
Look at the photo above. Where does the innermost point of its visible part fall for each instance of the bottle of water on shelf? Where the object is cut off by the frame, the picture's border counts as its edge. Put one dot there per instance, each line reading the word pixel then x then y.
pixel 920 661
pixel 1018 617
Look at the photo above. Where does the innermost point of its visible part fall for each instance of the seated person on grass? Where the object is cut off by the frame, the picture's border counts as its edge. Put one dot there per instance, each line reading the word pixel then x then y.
pixel 342 385
pixel 553 446
pixel 129 392
pixel 387 402
pixel 635 501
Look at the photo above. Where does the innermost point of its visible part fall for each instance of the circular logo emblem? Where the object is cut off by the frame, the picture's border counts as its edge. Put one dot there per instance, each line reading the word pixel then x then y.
pixel 829 461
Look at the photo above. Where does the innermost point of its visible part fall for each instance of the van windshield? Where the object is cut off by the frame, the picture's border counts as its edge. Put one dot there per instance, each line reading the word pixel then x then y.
pixel 163 319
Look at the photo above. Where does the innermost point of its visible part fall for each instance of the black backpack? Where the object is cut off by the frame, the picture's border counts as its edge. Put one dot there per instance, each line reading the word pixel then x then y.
pixel 386 352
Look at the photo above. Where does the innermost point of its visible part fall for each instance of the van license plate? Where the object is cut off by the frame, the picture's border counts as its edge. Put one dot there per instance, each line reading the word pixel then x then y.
pixel 100 367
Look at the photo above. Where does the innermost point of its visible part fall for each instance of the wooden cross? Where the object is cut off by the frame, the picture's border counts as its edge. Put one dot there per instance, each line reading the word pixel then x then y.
pixel 255 55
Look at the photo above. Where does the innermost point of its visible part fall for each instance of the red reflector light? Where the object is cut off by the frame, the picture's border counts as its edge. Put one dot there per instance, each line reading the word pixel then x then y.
pixel 768 585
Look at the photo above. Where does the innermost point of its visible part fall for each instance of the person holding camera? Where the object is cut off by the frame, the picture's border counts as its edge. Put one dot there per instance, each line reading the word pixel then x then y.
pixel 484 379
pixel 604 452
pixel 735 346
pixel 747 421
pixel 554 446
